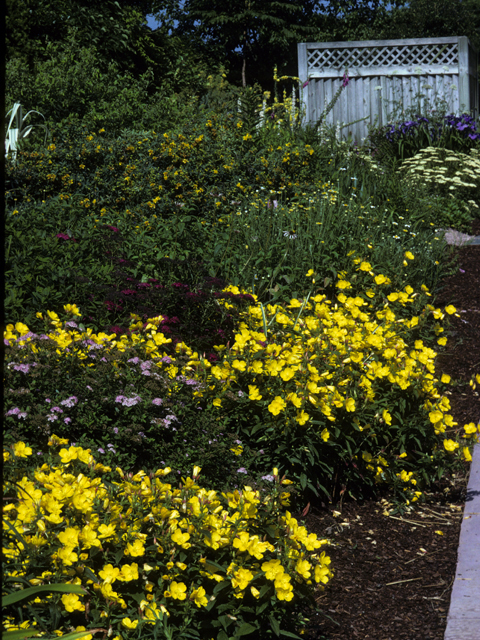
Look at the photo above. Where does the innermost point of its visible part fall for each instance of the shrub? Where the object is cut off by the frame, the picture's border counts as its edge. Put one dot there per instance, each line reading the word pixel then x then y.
pixel 339 394
pixel 446 173
pixel 403 140
pixel 154 559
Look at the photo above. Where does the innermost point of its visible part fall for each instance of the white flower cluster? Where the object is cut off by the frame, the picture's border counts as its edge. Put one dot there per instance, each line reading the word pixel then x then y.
pixel 446 172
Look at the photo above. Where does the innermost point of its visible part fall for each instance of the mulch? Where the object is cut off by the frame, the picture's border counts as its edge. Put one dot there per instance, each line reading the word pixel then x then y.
pixel 393 576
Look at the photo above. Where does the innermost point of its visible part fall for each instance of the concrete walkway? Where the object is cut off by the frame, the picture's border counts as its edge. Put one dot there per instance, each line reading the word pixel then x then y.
pixel 463 622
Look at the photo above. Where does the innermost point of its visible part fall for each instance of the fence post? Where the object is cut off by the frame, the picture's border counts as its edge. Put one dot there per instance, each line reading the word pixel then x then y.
pixel 464 101
pixel 303 75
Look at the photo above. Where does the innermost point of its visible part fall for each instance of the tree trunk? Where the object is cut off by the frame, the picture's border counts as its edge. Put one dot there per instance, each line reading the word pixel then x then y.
pixel 244 64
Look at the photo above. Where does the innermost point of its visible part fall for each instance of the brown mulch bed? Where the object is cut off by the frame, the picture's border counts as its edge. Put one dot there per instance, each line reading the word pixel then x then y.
pixel 393 575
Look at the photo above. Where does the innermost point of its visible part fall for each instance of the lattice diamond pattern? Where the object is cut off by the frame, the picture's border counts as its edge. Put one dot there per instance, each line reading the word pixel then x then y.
pixel 388 56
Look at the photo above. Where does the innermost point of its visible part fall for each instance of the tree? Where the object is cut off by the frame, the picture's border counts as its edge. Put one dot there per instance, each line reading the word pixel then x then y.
pixel 245 29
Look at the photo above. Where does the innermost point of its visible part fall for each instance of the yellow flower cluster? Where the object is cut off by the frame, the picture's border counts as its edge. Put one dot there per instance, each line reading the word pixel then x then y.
pixel 143 530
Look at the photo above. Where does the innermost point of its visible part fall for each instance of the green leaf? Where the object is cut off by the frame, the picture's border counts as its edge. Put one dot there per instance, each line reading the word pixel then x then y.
pixel 26 594
pixel 303 480
pixel 245 630
pixel 275 626
pixel 288 634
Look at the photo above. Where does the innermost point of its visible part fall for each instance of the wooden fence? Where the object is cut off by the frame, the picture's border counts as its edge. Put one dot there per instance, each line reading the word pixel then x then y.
pixel 384 74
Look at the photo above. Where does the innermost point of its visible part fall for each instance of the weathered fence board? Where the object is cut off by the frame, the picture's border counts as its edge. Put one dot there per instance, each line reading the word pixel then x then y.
pixel 383 74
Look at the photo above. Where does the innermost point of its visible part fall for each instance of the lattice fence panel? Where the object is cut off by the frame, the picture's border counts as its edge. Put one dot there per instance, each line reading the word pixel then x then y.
pixel 385 73
pixel 369 57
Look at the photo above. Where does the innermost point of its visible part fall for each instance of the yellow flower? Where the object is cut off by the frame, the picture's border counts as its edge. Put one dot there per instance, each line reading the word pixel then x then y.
pixel 344 284
pixel 310 272
pixel 69 537
pixel 302 417
pixel 181 539
pixel 129 624
pixel 445 378
pixel 217 402
pixel 387 417
pixel 136 549
pixel 177 591
pixel 241 578
pixel 325 435
pixel 67 556
pixel 106 531
pixel 470 428
pixel 71 602
pixel 450 309
pixel 381 279
pixel 21 450
pixel 109 573
pixel 253 392
pixel 303 568
pixel 409 255
pixel 450 445
pixel 277 405
pixel 467 456
pixel 350 405
pixel 199 598
pixel 365 266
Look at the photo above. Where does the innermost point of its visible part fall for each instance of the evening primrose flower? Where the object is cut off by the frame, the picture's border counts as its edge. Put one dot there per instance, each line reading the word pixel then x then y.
pixel 302 417
pixel 387 417
pixel 241 578
pixel 325 435
pixel 409 255
pixel 20 450
pixel 450 309
pixel 277 405
pixel 199 597
pixel 450 445
pixel 177 591
pixel 129 624
pixel 253 392
pixel 470 428
pixel 72 603
pixel 109 573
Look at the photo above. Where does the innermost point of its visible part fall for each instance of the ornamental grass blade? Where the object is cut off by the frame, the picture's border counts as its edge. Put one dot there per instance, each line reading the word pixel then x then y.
pixel 32 592
pixel 20 634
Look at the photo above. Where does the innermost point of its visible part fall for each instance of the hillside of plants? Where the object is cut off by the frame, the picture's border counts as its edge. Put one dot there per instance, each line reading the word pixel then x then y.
pixel 214 315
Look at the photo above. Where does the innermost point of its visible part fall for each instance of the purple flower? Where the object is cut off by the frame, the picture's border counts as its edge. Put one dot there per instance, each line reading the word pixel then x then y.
pixel 115 429
pixel 157 401
pixel 119 398
pixel 305 84
pixel 67 420
pixel 462 270
pixel 24 368
pixel 101 450
pixel 242 470
pixel 69 402
pixel 57 409
pixel 72 324
pixel 131 402
pixel 52 417
pixel 166 359
pixel 346 79
pixel 13 412
pixel 89 387
pixel 47 400
pixel 135 360
pixel 23 415
pixel 269 478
